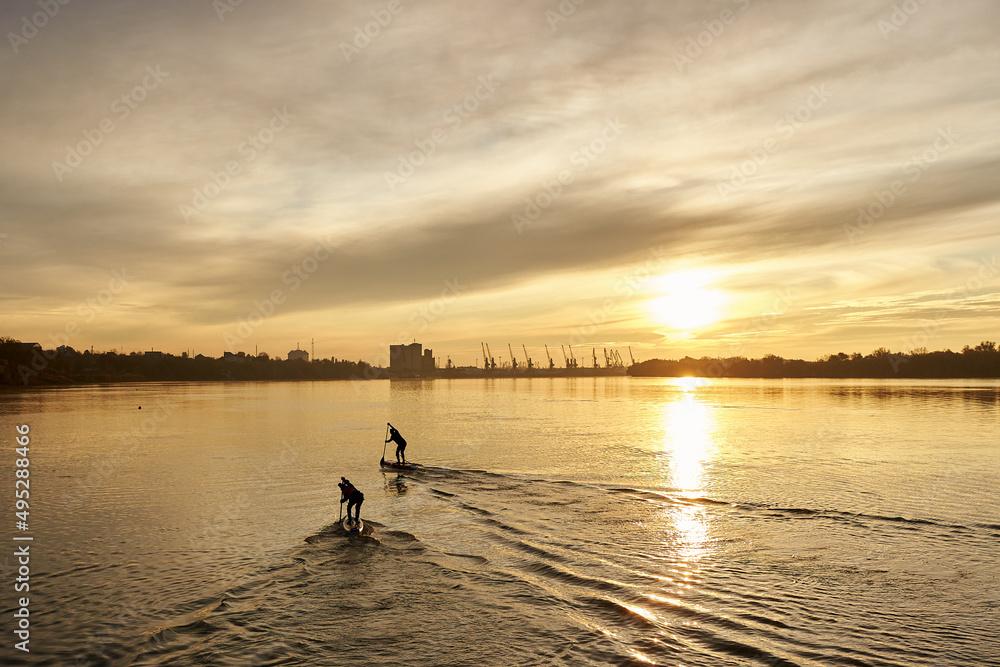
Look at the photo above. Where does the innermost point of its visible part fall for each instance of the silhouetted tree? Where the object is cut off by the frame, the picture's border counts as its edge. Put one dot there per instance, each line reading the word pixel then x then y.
pixel 983 361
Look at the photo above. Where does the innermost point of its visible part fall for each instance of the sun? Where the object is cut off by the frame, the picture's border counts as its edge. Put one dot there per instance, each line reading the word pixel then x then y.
pixel 687 302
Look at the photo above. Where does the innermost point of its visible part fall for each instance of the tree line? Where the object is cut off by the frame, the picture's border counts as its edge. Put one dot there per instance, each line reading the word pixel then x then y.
pixel 22 365
pixel 981 361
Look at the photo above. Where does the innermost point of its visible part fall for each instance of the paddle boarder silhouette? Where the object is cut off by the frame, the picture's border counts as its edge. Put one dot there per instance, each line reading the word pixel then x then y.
pixel 395 437
pixel 352 497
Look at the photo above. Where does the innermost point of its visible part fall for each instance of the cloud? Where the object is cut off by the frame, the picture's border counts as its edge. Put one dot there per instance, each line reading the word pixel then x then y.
pixel 361 109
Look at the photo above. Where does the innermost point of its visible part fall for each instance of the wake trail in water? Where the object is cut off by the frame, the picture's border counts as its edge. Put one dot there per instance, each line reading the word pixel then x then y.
pixel 498 569
pixel 658 587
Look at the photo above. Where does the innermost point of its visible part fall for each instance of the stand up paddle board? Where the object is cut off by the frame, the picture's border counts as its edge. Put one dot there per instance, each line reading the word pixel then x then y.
pixel 392 465
pixel 352 527
pixel 360 532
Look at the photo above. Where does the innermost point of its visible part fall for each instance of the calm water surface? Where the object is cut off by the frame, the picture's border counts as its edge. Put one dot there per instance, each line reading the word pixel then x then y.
pixel 576 521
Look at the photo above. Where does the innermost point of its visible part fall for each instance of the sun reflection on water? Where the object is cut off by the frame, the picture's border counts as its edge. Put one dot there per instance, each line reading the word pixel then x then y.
pixel 688 425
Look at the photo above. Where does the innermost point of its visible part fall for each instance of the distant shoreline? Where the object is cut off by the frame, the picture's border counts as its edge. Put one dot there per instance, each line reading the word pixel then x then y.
pixel 981 362
pixel 27 364
pixel 15 388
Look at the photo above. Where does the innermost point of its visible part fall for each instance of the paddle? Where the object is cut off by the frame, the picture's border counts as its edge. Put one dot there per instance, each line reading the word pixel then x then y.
pixel 385 443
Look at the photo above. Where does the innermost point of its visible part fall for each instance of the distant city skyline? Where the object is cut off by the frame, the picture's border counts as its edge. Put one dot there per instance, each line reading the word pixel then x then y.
pixel 730 178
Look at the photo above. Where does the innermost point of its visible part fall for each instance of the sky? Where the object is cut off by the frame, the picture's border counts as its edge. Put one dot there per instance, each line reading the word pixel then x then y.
pixel 721 178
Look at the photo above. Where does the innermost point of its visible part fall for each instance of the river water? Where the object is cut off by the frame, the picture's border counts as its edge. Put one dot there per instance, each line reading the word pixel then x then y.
pixel 571 521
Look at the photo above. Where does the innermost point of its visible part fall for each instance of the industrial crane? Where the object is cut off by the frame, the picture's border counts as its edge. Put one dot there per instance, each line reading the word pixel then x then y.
pixel 513 361
pixel 530 365
pixel 552 364
pixel 492 365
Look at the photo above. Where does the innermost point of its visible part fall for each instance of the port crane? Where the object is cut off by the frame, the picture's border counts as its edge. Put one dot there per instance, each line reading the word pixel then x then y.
pixel 552 364
pixel 572 358
pixel 513 361
pixel 530 365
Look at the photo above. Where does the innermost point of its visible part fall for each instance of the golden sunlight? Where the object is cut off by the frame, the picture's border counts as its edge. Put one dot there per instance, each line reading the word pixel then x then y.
pixel 687 302
pixel 688 424
pixel 687 430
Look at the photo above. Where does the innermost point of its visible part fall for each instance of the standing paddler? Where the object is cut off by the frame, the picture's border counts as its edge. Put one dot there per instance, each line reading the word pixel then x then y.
pixel 352 497
pixel 395 437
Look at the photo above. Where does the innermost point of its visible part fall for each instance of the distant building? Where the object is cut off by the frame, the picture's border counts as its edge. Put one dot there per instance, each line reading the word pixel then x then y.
pixel 410 359
pixel 298 354
pixel 153 354
pixel 405 358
